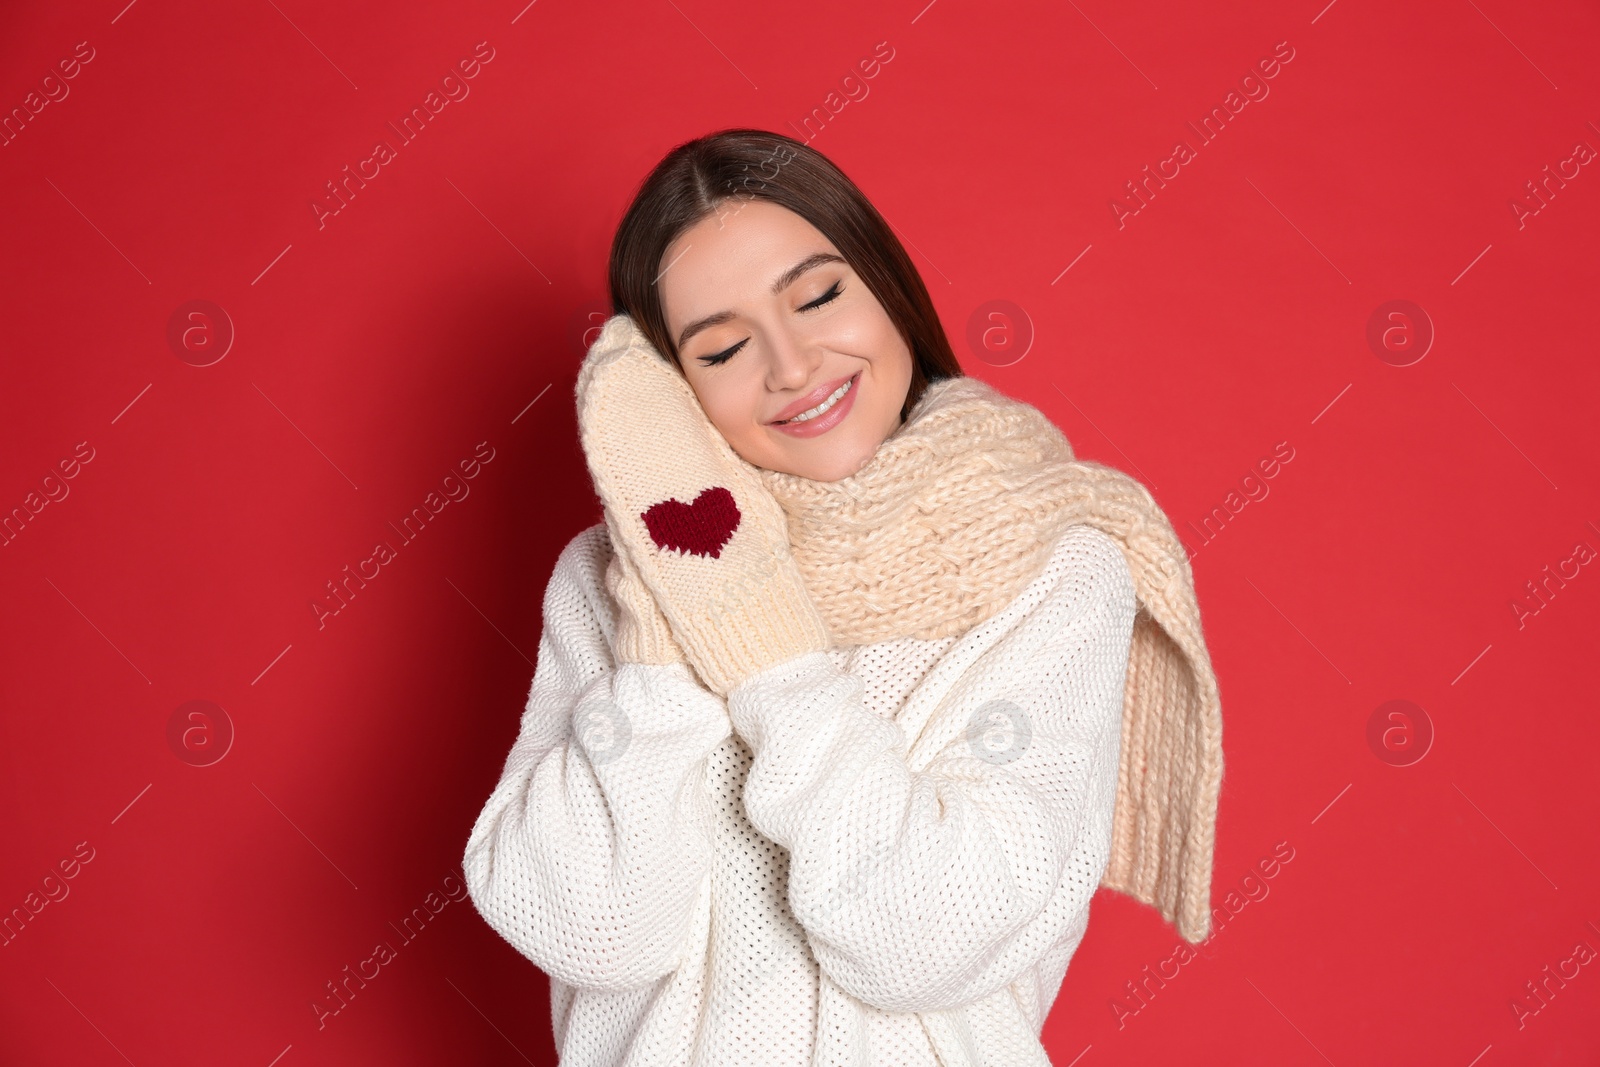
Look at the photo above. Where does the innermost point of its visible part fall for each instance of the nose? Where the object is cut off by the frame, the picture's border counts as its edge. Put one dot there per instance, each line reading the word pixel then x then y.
pixel 792 361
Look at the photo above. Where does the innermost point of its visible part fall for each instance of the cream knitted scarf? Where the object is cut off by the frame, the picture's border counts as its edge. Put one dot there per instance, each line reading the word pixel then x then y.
pixel 955 513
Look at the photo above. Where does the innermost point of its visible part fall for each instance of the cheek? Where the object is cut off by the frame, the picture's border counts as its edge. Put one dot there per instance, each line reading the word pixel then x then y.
pixel 732 406
pixel 877 330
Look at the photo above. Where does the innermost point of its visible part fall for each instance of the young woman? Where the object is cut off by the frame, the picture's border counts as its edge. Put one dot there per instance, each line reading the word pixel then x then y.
pixel 864 684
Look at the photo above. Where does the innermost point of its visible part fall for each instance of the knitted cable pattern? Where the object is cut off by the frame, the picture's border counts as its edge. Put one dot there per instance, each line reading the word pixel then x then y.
pixel 954 514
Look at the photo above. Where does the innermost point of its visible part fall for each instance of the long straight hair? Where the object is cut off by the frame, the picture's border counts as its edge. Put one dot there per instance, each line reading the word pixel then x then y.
pixel 691 183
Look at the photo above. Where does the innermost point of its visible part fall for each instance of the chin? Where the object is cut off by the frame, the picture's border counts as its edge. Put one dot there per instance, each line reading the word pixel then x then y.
pixel 822 459
pixel 840 464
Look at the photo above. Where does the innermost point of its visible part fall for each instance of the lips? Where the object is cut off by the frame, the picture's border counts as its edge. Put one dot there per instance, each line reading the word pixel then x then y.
pixel 811 399
pixel 818 425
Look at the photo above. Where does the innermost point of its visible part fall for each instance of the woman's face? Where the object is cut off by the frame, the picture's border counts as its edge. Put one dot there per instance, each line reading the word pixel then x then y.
pixel 770 323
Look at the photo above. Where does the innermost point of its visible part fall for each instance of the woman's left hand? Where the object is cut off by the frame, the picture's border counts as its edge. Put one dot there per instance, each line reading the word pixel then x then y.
pixel 708 539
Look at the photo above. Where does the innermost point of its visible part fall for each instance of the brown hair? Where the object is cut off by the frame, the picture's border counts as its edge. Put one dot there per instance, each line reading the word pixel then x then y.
pixel 697 176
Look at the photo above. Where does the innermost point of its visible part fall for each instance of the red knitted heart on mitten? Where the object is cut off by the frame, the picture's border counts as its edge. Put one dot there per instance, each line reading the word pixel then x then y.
pixel 702 527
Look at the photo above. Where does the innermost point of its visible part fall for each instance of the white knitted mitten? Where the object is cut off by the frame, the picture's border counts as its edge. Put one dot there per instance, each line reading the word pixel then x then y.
pixel 642 634
pixel 703 533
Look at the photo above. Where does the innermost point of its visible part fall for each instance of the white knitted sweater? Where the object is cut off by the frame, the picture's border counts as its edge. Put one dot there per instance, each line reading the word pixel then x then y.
pixel 877 855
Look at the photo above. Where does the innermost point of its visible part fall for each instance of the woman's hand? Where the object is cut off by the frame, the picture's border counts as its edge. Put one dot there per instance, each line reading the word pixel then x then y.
pixel 691 516
pixel 642 634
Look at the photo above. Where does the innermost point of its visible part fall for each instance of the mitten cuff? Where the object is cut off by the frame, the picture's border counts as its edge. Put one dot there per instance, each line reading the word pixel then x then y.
pixel 639 641
pixel 641 634
pixel 767 623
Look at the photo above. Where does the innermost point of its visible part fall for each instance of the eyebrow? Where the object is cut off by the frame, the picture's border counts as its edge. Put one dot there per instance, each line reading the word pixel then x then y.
pixel 787 278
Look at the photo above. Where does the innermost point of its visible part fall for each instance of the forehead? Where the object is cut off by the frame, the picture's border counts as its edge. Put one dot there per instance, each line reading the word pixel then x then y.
pixel 733 256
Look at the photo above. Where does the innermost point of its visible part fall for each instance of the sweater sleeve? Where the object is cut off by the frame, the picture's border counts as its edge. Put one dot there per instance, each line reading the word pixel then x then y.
pixel 924 890
pixel 594 848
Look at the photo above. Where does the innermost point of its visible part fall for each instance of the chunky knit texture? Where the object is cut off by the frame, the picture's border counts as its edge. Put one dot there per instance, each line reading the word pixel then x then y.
pixel 690 515
pixel 828 772
pixel 957 511
pixel 880 855
pixel 642 634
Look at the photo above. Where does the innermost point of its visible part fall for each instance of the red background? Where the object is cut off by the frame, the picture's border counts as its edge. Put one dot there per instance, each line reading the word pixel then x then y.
pixel 374 352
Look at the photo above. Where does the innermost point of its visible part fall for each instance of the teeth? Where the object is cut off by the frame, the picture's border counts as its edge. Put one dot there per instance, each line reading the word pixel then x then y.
pixel 824 406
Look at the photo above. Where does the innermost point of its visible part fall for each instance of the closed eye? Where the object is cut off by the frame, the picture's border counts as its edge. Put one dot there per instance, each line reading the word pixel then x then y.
pixel 728 353
pixel 723 356
pixel 823 299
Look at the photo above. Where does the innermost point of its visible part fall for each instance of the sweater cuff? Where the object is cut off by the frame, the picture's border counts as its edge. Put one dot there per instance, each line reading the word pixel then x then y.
pixel 801 692
pixel 813 740
pixel 659 704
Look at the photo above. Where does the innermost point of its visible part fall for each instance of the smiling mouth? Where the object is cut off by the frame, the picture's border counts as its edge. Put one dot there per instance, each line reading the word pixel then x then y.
pixel 822 408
